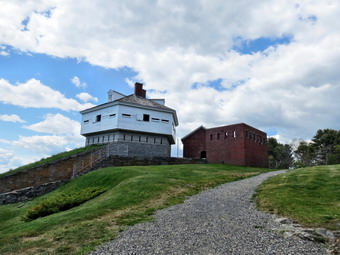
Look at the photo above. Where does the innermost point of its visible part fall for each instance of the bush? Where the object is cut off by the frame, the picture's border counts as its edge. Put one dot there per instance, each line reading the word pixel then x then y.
pixel 61 202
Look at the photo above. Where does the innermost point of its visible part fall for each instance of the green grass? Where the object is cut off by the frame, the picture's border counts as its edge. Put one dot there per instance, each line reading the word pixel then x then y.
pixel 310 196
pixel 132 195
pixel 50 159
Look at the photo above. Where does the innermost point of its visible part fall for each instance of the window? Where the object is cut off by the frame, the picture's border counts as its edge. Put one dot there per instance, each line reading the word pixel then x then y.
pixel 131 137
pixel 211 136
pixel 161 141
pixel 234 133
pixel 154 140
pixel 226 135
pixel 155 119
pixel 218 135
pixel 140 138
pixel 98 118
pixel 103 138
pixel 112 115
pixel 165 121
pixel 146 117
pixel 124 137
pixel 247 133
pixel 147 139
pixel 124 115
pixel 86 121
pixel 250 135
pixel 98 140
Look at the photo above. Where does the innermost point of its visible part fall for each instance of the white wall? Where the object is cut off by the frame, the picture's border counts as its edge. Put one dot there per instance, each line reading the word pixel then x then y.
pixel 134 122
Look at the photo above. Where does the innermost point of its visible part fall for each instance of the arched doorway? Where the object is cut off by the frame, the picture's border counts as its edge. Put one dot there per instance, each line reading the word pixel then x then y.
pixel 203 154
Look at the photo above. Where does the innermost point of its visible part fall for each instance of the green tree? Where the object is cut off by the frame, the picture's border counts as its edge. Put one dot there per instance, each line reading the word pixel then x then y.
pixel 280 156
pixel 304 154
pixel 325 143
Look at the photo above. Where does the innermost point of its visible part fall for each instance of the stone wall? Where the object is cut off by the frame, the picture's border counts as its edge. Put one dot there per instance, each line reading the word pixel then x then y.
pixel 38 181
pixel 56 171
pixel 28 193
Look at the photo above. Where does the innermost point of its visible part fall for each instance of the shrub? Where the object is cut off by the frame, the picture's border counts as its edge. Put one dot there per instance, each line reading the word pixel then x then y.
pixel 61 202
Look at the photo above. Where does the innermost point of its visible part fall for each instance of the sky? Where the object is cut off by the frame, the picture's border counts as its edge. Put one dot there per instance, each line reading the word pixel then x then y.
pixel 271 64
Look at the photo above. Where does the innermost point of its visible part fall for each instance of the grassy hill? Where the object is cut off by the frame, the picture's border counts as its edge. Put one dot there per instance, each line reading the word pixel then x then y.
pixel 115 198
pixel 310 196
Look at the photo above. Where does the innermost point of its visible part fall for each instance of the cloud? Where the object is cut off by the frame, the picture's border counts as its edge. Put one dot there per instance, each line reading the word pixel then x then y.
pixel 56 124
pixel 76 81
pixel 5 156
pixel 183 51
pixel 11 118
pixel 34 94
pixel 85 97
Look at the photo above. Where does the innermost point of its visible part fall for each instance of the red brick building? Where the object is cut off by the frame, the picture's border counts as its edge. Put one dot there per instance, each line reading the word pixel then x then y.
pixel 238 144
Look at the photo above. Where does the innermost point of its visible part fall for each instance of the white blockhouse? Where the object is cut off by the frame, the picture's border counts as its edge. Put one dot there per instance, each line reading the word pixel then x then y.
pixel 132 125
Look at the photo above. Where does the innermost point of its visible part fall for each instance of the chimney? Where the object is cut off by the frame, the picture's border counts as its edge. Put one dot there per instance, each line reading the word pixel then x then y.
pixel 139 91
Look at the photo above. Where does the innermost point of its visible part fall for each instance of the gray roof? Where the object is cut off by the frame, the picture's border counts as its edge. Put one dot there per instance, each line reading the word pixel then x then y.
pixel 133 99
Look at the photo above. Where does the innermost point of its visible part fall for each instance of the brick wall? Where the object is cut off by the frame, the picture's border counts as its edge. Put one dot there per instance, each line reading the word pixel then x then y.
pixel 238 144
pixel 195 144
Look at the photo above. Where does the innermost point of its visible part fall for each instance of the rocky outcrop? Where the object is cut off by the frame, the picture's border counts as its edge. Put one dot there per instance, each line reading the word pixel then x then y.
pixel 321 235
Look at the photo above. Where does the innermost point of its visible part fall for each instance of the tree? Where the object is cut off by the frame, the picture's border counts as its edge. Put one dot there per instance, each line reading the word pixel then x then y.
pixel 304 154
pixel 325 143
pixel 280 156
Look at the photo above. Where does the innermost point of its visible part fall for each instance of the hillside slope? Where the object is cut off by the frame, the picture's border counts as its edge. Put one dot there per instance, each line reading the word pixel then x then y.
pixel 132 194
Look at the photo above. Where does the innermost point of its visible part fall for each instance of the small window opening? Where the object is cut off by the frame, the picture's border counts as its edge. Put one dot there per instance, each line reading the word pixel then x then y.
pixel 103 138
pixel 234 133
pixel 155 119
pixel 126 115
pixel 211 136
pixel 131 137
pixel 98 118
pixel 86 121
pixel 247 133
pixel 140 138
pixel 165 121
pixel 147 139
pixel 218 135
pixel 124 137
pixel 98 140
pixel 154 140
pixel 112 115
pixel 161 141
pixel 226 135
pixel 146 117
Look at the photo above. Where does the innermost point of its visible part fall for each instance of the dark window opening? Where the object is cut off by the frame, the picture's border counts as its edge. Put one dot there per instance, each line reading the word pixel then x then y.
pixel 218 135
pixel 211 136
pixel 234 133
pixel 126 115
pixel 165 121
pixel 154 140
pixel 155 119
pixel 124 137
pixel 86 121
pixel 147 139
pixel 226 135
pixel 98 140
pixel 112 115
pixel 161 141
pixel 131 137
pixel 247 133
pixel 146 117
pixel 140 138
pixel 98 118
pixel 203 154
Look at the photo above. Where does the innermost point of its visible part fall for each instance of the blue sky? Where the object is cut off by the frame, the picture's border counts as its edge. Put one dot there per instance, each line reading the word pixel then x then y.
pixel 270 65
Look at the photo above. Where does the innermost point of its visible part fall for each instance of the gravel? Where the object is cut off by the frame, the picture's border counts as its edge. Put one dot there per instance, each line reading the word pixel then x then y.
pixel 222 220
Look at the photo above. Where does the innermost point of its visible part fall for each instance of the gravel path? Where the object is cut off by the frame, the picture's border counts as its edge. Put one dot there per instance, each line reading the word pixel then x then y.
pixel 217 221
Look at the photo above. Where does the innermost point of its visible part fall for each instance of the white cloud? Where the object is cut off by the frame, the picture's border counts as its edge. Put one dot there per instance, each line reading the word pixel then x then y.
pixel 85 97
pixel 76 81
pixel 56 124
pixel 34 94
pixel 5 156
pixel 173 45
pixel 11 118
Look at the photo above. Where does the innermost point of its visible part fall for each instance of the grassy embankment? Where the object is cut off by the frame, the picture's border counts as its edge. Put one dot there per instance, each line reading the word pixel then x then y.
pixel 310 196
pixel 131 195
pixel 51 159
